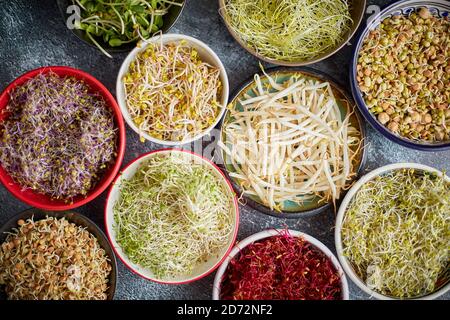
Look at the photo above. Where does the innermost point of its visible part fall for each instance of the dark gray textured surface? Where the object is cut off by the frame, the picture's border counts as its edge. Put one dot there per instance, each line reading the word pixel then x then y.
pixel 33 34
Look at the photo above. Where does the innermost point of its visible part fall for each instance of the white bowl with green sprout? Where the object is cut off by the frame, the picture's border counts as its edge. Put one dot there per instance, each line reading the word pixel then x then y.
pixel 172 89
pixel 392 232
pixel 172 216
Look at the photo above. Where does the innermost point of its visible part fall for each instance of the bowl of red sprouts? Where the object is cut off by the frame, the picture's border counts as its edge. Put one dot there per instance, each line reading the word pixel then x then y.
pixel 280 264
pixel 62 138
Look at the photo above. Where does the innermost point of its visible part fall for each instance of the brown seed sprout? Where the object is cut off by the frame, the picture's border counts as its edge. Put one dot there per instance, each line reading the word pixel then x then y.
pixel 53 259
pixel 403 73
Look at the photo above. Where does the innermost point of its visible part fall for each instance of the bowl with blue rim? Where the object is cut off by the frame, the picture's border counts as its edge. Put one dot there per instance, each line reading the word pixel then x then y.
pixel 404 133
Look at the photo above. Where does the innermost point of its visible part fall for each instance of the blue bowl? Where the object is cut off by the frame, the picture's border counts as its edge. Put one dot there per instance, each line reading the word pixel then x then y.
pixel 440 8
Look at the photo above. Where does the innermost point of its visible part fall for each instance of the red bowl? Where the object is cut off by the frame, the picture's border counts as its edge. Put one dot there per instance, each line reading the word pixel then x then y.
pixel 42 201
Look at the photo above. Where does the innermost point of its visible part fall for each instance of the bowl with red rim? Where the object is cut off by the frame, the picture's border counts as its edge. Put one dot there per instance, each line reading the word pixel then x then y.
pixel 43 201
pixel 266 234
pixel 201 269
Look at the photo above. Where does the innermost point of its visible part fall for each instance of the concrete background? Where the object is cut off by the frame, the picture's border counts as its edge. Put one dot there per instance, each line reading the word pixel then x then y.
pixel 33 34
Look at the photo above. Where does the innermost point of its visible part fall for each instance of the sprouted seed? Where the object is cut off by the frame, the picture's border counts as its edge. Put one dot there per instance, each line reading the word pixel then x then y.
pixel 173 215
pixel 119 22
pixel 58 137
pixel 396 233
pixel 403 73
pixel 171 94
pixel 281 267
pixel 290 142
pixel 289 30
pixel 53 259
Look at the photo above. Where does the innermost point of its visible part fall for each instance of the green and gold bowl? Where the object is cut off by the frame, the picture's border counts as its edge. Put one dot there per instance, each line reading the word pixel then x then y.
pixel 310 206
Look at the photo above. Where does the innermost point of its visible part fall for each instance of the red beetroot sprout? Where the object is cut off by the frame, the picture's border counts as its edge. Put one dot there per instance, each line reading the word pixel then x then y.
pixel 281 267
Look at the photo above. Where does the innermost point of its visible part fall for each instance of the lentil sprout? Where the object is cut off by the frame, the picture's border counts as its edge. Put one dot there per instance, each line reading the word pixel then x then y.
pixel 282 267
pixel 396 233
pixel 403 73
pixel 53 259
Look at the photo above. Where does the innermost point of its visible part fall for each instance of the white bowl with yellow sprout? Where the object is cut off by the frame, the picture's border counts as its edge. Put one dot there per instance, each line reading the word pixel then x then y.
pixel 392 232
pixel 172 89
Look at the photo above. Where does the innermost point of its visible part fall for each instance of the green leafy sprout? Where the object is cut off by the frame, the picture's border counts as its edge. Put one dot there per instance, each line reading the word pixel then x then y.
pixel 118 22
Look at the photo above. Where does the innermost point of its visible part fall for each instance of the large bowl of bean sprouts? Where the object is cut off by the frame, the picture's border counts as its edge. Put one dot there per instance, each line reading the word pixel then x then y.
pixel 79 265
pixel 292 32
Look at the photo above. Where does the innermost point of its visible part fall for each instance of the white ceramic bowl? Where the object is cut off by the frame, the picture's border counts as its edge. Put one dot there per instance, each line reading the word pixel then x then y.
pixel 202 270
pixel 270 233
pixel 340 216
pixel 205 53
